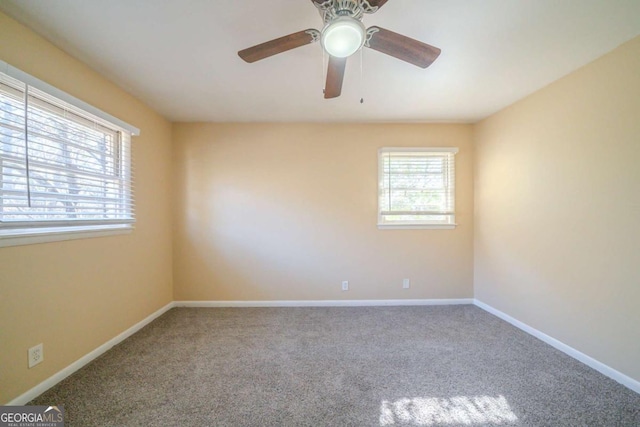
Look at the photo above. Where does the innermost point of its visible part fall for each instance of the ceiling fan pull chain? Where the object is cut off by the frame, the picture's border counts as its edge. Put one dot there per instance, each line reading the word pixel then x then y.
pixel 361 79
pixel 323 73
pixel 342 35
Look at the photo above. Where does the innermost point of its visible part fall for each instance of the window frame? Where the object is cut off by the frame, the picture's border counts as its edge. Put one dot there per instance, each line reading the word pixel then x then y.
pixel 417 224
pixel 50 231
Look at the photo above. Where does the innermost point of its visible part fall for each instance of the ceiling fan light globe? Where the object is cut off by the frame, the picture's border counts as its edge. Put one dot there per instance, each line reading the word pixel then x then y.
pixel 343 37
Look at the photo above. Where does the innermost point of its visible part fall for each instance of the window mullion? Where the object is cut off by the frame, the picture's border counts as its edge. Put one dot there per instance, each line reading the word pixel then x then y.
pixel 390 169
pixel 26 142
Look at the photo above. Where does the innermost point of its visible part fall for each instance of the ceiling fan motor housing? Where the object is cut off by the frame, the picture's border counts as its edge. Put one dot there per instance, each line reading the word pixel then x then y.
pixel 343 35
pixel 338 8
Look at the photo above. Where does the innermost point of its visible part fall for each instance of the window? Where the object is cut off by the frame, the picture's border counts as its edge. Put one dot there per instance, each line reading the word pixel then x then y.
pixel 64 171
pixel 416 187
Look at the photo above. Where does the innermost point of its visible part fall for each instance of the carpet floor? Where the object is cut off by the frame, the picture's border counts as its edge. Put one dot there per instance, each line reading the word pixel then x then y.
pixel 365 366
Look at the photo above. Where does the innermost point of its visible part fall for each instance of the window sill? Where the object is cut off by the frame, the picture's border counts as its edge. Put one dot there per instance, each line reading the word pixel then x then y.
pixel 47 235
pixel 417 226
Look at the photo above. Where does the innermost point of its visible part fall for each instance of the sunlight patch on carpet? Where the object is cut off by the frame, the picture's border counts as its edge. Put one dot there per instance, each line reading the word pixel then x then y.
pixel 459 410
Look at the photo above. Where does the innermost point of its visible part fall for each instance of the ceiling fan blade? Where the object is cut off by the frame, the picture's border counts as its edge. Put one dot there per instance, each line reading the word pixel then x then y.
pixel 374 5
pixel 402 47
pixel 335 76
pixel 279 45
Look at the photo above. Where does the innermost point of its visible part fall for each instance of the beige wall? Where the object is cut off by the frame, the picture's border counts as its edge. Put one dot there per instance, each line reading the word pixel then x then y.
pixel 288 211
pixel 557 210
pixel 74 296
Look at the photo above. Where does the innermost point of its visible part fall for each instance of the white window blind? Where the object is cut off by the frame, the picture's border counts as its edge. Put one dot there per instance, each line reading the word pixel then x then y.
pixel 60 166
pixel 416 187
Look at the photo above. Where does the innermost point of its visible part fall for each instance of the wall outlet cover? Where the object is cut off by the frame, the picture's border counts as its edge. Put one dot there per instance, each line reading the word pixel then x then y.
pixel 36 355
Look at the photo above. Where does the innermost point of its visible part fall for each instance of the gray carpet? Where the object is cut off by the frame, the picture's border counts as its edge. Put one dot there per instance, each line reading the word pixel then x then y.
pixel 389 366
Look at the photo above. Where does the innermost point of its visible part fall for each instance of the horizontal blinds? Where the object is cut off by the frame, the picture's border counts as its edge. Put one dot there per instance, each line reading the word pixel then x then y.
pixel 417 184
pixel 60 166
pixel 78 104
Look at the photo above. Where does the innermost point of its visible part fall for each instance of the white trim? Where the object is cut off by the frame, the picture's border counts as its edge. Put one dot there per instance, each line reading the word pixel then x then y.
pixel 450 152
pixel 453 150
pixel 581 357
pixel 18 74
pixel 75 366
pixel 388 226
pixel 326 303
pixel 61 375
pixel 52 235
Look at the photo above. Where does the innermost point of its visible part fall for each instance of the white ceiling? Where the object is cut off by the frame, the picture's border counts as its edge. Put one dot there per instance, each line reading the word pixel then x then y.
pixel 179 56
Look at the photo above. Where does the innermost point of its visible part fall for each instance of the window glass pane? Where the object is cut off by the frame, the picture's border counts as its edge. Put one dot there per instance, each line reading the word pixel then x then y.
pixel 66 169
pixel 416 187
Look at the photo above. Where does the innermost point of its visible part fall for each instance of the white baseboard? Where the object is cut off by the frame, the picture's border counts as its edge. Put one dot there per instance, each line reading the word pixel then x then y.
pixel 64 373
pixel 61 375
pixel 325 303
pixel 587 360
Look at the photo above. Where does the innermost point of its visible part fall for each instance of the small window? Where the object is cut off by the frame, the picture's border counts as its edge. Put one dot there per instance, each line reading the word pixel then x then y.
pixel 416 187
pixel 62 169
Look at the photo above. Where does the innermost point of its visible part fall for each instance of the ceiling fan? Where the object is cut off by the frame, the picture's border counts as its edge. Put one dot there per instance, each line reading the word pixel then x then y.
pixel 343 35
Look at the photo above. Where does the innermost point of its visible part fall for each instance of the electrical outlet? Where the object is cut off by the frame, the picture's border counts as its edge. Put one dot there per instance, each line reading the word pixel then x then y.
pixel 36 355
pixel 405 283
pixel 345 285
